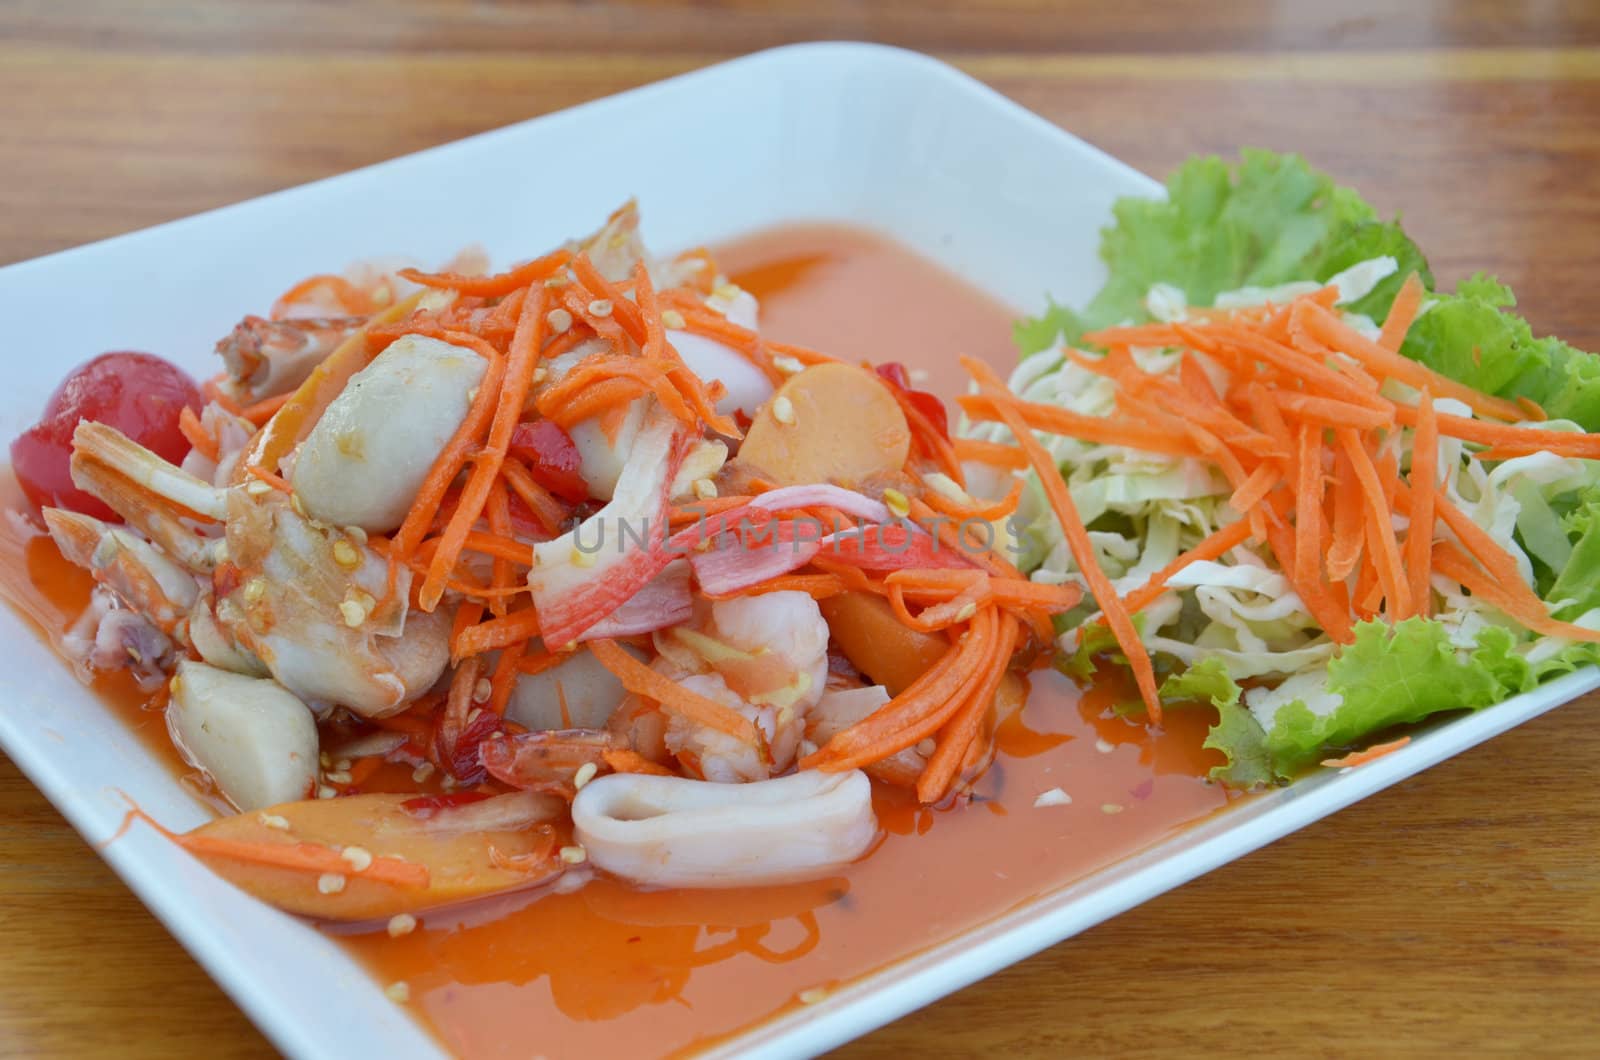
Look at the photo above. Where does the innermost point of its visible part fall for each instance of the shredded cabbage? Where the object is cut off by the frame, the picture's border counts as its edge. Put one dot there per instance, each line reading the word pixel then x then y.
pixel 1232 632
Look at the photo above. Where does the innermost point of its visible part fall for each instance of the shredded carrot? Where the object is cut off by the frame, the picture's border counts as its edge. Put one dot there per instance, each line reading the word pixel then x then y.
pixel 1516 601
pixel 1344 549
pixel 507 382
pixel 480 637
pixel 1515 440
pixel 1196 382
pixel 503 682
pixel 1135 335
pixel 1308 528
pixel 550 512
pixel 545 660
pixel 1323 605
pixel 198 437
pixel 485 544
pixel 465 586
pixel 212 391
pixel 1424 487
pixel 1076 534
pixel 961 538
pixel 995 454
pixel 498 512
pixel 816 586
pixel 701 396
pixel 557 400
pixel 945 584
pixel 575 300
pixel 1214 546
pixel 804 355
pixel 596 399
pixel 277 482
pixel 962 729
pixel 987 512
pixel 1268 416
pixel 289 854
pixel 1371 754
pixel 1219 452
pixel 639 679
pixel 1312 372
pixel 953 611
pixel 1259 483
pixel 699 319
pixel 628 316
pixel 1367 595
pixel 696 511
pixel 917 712
pixel 536 271
pixel 624 760
pixel 1098 429
pixel 1379 524
pixel 1329 329
pixel 655 338
pixel 466 616
pixel 446 466
pixel 265 409
pixel 1332 412
pixel 353 300
pixel 1402 313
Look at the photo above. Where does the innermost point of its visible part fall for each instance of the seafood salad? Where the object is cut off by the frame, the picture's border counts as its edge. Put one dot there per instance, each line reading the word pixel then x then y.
pixel 458 583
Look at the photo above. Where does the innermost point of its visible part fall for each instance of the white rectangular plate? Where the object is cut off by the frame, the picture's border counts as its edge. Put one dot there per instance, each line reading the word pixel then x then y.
pixel 853 133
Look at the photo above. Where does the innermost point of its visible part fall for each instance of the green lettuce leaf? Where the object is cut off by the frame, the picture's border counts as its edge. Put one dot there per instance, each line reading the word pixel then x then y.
pixel 1474 338
pixel 1388 677
pixel 1565 381
pixel 1470 338
pixel 1579 580
pixel 1267 220
pixel 1375 239
pixel 1236 733
pixel 1032 334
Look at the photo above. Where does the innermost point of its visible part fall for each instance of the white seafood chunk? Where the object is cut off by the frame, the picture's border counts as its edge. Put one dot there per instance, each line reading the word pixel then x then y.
pixel 367 456
pixel 258 742
pixel 578 694
pixel 602 456
pixel 671 832
pixel 748 387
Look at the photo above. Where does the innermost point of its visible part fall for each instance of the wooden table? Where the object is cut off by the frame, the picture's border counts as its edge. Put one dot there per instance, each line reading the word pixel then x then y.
pixel 1459 911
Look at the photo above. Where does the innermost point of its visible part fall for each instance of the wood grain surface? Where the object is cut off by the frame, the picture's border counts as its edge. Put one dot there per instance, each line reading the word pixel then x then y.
pixel 1456 913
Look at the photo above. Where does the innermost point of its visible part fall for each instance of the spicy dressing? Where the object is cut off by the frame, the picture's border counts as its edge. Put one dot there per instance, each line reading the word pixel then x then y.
pixel 614 970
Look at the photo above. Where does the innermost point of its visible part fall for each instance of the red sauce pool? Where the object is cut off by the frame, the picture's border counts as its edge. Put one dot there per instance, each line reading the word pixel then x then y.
pixel 610 970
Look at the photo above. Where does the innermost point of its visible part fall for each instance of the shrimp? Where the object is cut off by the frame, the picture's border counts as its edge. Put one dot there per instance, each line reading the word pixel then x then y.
pixel 127 565
pixel 231 434
pixel 264 358
pixel 300 596
pixel 841 708
pixel 109 636
pixel 140 599
pixel 764 656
